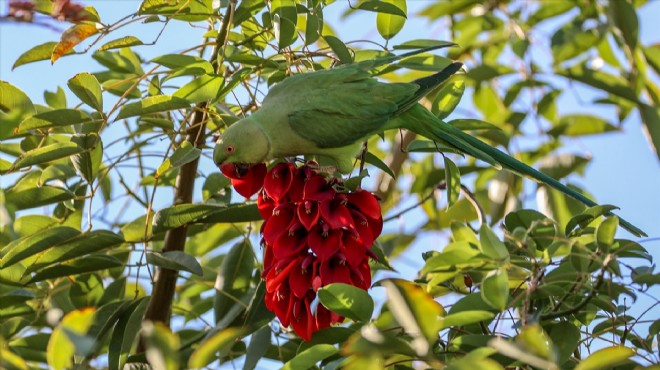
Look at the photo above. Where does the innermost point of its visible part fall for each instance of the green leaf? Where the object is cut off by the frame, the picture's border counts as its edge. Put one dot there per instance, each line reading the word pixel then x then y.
pixel 606 358
pixel 188 11
pixel 651 118
pixel 186 153
pixel 125 333
pixel 416 311
pixel 37 197
pixel 465 318
pixel 178 61
pixel 77 266
pixel 152 104
pixel 221 341
pixel 87 88
pixel 423 44
pixel 382 7
pixel 15 106
pixel 234 278
pixel 378 163
pixel 583 219
pixel 605 232
pixel 259 343
pixel 309 357
pixel 340 50
pixel 652 55
pixel 448 96
pixel 61 348
pixel 37 53
pixel 80 245
pixel 581 125
pixel 389 25
pixel 453 180
pixel 485 72
pixel 47 153
pixel 162 350
pixel 612 84
pixel 313 27
pixel 30 245
pixel 495 289
pixel 491 244
pixel 285 18
pixel 624 16
pixel 246 9
pixel 566 338
pixel 202 88
pixel 347 300
pixel 53 118
pixel 175 260
pixel 88 162
pixel 173 217
pixel 571 40
pixel 121 42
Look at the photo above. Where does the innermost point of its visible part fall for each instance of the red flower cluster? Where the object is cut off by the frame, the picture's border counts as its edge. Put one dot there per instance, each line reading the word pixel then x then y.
pixel 313 236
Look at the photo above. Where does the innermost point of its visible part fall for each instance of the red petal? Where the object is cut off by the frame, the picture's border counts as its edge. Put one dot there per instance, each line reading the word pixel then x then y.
pixel 300 280
pixel 324 243
pixel 266 205
pixel 249 183
pixel 278 181
pixel 363 229
pixel 361 276
pixel 336 214
pixel 283 304
pixel 308 213
pixel 353 249
pixel 290 242
pixel 323 317
pixel 316 188
pixel 302 321
pixel 366 203
pixel 277 224
pixel 277 276
pixel 333 271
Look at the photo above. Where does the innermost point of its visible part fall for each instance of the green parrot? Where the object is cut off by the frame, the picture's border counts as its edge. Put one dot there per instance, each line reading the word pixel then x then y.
pixel 330 113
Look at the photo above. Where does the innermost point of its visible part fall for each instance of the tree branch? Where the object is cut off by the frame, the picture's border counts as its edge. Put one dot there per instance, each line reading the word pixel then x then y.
pixel 162 296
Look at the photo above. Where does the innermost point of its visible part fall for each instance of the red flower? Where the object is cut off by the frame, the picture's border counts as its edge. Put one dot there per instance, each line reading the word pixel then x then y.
pixel 313 235
pixel 246 180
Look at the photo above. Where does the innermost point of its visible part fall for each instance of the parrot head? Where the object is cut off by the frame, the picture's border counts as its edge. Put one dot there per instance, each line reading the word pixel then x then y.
pixel 244 144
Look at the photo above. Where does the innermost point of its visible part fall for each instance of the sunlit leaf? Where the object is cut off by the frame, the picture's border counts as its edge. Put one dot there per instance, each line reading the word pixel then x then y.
pixel 173 217
pixel 37 197
pixel 495 289
pixel 162 350
pixel 309 357
pixel 448 96
pixel 37 53
pixel 207 351
pixel 124 334
pixel 53 118
pixel 203 88
pixel 121 42
pixel 87 88
pixel 347 300
pixel 72 37
pixel 15 106
pixel 491 245
pixel 152 104
pixel 61 348
pixel 77 266
pixel 89 161
pixel 389 25
pixel 624 16
pixel 606 358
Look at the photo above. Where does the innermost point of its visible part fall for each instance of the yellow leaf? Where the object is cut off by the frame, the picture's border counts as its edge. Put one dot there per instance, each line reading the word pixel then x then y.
pixel 72 37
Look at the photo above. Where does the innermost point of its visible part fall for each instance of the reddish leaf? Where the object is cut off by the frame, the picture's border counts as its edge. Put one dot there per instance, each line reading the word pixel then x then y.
pixel 72 37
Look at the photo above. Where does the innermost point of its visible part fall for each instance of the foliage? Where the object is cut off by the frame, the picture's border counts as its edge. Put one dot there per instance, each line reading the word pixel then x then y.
pixel 101 193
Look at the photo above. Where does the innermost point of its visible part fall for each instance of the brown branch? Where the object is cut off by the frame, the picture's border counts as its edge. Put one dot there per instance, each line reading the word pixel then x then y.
pixel 162 296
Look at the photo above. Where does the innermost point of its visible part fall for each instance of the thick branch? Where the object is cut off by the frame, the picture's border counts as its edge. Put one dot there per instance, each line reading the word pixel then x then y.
pixel 162 296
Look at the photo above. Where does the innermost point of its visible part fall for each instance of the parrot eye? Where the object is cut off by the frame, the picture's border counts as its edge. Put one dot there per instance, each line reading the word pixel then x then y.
pixel 229 149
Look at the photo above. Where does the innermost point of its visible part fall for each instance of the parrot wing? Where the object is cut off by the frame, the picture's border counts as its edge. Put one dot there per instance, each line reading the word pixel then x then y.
pixel 338 107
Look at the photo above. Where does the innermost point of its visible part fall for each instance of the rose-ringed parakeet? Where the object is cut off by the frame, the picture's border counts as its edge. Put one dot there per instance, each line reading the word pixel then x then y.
pixel 330 113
